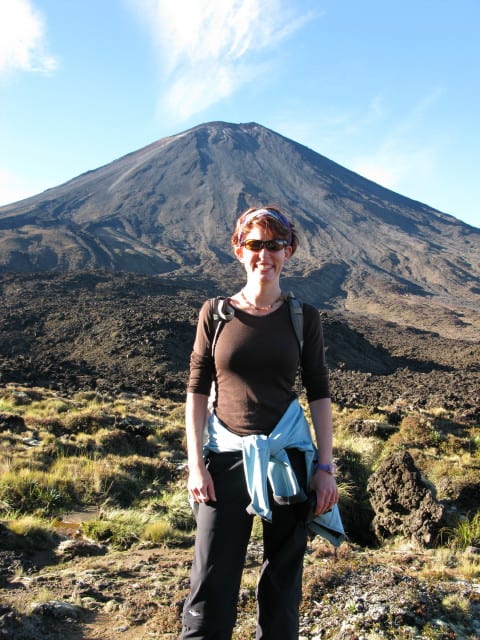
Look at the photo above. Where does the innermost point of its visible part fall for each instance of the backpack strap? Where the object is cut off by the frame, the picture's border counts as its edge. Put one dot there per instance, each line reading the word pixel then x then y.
pixel 296 315
pixel 221 312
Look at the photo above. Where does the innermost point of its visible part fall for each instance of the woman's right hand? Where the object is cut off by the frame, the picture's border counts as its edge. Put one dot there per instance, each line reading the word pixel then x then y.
pixel 200 484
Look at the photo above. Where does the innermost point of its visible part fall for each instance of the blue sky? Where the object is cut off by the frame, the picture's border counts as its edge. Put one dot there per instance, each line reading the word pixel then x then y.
pixel 387 88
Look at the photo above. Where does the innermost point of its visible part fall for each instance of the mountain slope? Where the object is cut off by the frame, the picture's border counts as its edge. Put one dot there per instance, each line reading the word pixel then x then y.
pixel 169 208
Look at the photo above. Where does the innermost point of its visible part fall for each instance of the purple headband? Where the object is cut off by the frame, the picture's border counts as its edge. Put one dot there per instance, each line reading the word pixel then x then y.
pixel 263 213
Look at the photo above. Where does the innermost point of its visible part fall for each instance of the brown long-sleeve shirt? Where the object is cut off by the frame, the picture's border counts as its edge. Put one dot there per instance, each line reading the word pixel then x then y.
pixel 256 361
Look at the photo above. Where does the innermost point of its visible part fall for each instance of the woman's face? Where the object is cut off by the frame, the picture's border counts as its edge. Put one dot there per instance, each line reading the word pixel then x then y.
pixel 263 265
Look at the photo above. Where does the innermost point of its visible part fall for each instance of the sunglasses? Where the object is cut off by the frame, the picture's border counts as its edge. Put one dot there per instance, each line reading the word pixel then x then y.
pixel 271 245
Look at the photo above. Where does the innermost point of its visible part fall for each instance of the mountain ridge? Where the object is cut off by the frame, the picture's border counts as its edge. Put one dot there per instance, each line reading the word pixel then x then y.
pixel 169 208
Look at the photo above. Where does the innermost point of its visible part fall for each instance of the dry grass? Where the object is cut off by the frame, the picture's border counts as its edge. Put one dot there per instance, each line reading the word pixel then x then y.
pixel 126 457
pixel 30 533
pixel 127 452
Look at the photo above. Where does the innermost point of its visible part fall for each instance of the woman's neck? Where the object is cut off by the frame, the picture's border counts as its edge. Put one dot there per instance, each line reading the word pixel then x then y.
pixel 261 298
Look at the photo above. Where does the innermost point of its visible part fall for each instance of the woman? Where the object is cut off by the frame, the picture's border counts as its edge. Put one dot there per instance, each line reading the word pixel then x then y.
pixel 256 412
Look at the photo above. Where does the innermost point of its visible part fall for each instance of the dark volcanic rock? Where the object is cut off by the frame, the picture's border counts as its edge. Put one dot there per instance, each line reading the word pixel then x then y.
pixel 126 332
pixel 403 503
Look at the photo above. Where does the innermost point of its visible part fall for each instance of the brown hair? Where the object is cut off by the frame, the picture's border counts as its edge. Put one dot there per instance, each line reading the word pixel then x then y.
pixel 277 221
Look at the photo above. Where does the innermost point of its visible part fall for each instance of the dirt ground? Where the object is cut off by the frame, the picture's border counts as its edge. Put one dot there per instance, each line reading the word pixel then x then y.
pixel 138 595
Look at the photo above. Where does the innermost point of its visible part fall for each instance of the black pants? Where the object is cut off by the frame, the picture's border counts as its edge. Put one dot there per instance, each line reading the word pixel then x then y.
pixel 223 533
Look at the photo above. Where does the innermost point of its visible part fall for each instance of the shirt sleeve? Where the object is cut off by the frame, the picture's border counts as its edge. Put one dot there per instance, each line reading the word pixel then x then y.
pixel 315 376
pixel 201 361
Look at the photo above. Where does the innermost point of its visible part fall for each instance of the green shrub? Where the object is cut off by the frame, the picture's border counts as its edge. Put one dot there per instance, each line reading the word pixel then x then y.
pixel 178 512
pixel 120 488
pixel 158 531
pixel 467 532
pixel 123 528
pixel 120 529
pixel 36 492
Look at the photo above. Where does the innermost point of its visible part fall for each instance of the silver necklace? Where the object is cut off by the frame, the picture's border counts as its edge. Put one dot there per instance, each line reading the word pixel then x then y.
pixel 254 306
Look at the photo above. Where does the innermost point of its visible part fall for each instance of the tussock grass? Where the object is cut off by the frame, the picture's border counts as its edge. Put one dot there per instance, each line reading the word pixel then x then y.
pixel 474 440
pixel 92 477
pixel 469 567
pixel 466 533
pixel 257 529
pixel 344 417
pixel 449 562
pixel 123 528
pixel 30 533
pixel 86 421
pixel 120 529
pixel 36 492
pixel 177 510
pixel 458 606
pixel 72 452
pixel 33 405
pixel 415 431
pixel 126 453
pixel 6 406
pixel 158 531
pixel 359 452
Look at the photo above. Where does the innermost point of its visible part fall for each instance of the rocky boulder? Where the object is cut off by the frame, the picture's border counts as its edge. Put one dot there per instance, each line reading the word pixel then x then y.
pixel 402 501
pixel 75 548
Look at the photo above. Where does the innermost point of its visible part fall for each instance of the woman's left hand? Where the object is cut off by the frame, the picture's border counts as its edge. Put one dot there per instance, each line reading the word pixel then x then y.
pixel 325 487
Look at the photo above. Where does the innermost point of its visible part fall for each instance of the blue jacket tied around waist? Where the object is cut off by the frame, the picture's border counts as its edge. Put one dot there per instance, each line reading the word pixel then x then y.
pixel 265 460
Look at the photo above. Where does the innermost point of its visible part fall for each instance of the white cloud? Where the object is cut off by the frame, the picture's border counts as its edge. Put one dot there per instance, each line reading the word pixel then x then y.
pixel 208 47
pixel 23 39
